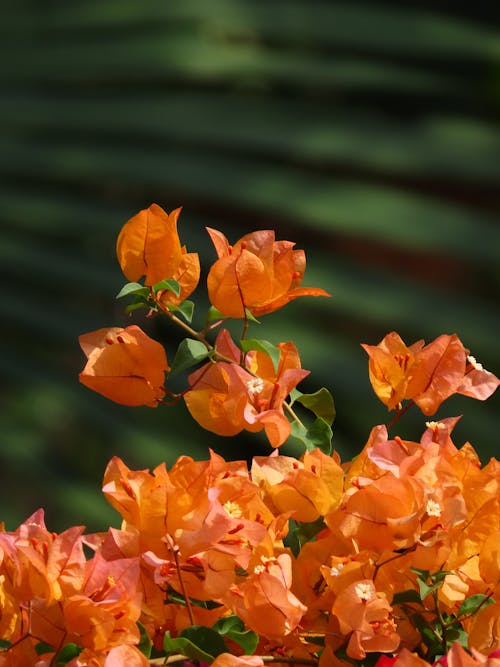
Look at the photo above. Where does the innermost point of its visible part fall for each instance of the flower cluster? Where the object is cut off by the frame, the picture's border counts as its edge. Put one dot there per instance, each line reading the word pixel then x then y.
pixel 240 387
pixel 393 557
pixel 405 537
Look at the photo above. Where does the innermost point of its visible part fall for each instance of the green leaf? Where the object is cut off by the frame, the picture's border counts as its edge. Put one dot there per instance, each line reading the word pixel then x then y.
pixel 133 288
pixel 410 595
pixel 136 305
pixel 457 634
pixel 145 644
pixel 251 317
pixel 197 642
pixel 5 644
pixel 168 284
pixel 185 647
pixel 213 314
pixel 186 309
pixel 234 628
pixel 42 647
pixel 422 574
pixel 228 623
pixel 471 604
pixel 300 533
pixel 262 346
pixel 67 653
pixel 425 589
pixel 321 403
pixel 189 353
pixel 319 435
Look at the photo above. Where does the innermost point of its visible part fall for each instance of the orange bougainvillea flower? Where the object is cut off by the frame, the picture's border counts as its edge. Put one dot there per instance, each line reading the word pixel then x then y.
pixel 484 630
pixel 264 600
pixel 366 614
pixel 383 514
pixel 427 375
pixel 148 245
pixel 125 365
pixel 268 388
pixel 257 273
pixel 310 488
pixel 219 392
pixel 226 399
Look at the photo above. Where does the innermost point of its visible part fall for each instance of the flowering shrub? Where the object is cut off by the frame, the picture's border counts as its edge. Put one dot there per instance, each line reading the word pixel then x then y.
pixel 392 559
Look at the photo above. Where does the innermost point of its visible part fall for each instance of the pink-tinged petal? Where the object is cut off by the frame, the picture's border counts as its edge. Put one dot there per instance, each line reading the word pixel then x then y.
pixel 125 655
pixel 225 345
pixel 478 382
pixel 438 372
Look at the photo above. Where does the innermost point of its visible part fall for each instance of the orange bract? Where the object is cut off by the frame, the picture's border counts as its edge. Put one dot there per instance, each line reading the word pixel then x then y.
pixel 366 614
pixel 225 398
pixel 257 273
pixel 125 365
pixel 148 245
pixel 427 375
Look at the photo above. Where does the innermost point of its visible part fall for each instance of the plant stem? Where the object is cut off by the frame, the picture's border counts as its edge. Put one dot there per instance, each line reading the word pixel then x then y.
pixel 399 414
pixel 175 550
pixel 292 413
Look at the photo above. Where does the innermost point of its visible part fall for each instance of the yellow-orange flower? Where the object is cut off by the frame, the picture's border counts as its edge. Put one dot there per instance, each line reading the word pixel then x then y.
pixel 257 273
pixel 366 614
pixel 125 365
pixel 427 375
pixel 148 245
pixel 225 398
pixel 310 488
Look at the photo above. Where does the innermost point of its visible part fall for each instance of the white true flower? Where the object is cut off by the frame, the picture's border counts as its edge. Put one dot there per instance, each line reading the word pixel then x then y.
pixel 364 590
pixel 475 364
pixel 255 386
pixel 433 508
pixel 233 509
pixel 435 425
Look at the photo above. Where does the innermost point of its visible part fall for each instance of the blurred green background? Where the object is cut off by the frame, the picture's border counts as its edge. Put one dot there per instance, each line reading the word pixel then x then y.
pixel 368 133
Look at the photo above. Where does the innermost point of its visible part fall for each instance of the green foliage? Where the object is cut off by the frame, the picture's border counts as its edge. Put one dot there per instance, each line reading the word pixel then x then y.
pixel 197 642
pixel 189 353
pixel 321 403
pixel 169 284
pixel 145 644
pixel 319 433
pixel 186 309
pixel 300 533
pixel 439 630
pixel 233 628
pixel 133 288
